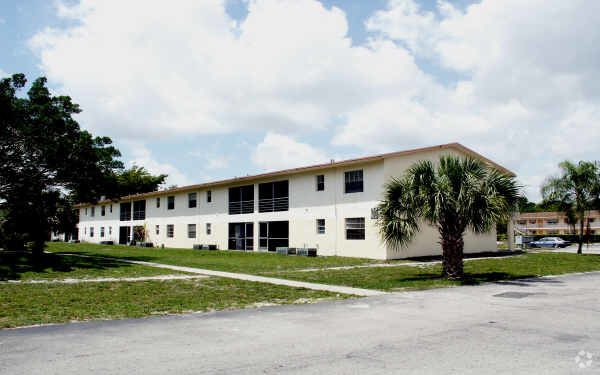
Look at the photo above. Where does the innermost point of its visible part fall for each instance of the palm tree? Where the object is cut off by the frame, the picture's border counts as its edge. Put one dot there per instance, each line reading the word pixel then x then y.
pixel 575 189
pixel 457 195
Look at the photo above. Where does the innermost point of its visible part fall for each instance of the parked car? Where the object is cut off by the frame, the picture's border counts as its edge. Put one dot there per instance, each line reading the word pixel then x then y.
pixel 550 242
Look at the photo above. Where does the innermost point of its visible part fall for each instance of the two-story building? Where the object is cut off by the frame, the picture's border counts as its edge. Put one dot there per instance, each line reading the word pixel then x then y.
pixel 329 207
pixel 555 223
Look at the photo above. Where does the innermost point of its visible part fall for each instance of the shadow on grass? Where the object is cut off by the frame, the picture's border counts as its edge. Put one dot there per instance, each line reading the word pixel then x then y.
pixel 13 264
pixel 140 258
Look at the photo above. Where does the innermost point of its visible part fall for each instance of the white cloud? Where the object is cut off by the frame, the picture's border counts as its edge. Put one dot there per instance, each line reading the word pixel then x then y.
pixel 147 70
pixel 212 160
pixel 278 151
pixel 3 74
pixel 142 157
pixel 191 69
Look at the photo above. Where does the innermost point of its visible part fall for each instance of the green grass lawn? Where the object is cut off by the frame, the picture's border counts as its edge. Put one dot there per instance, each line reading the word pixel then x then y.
pixel 28 304
pixel 20 266
pixel 477 271
pixel 230 261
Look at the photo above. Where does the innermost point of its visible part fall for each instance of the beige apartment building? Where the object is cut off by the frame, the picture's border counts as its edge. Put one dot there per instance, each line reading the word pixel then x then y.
pixel 555 223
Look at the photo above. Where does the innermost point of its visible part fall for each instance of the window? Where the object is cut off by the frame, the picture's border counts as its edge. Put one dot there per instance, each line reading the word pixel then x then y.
pixel 321 182
pixel 157 229
pixel 532 221
pixel 125 211
pixel 191 200
pixel 170 230
pixel 355 228
pixel 111 208
pixel 208 196
pixel 208 229
pixel 93 212
pixel 320 226
pixel 241 200
pixel 85 230
pixel 591 220
pixel 273 196
pixel 109 230
pixel 191 230
pixel 158 202
pixel 521 222
pixel 101 231
pixel 551 221
pixel 353 181
pixel 171 202
pixel 86 211
pixel 91 231
pixel 103 211
pixel 139 210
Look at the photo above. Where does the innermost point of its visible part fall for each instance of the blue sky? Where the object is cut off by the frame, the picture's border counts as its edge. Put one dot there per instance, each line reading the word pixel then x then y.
pixel 215 89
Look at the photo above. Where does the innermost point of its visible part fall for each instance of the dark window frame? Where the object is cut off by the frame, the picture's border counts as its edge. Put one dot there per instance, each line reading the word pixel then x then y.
pixel 171 202
pixel 170 230
pixel 191 230
pixel 320 182
pixel 139 210
pixel 321 226
pixel 103 211
pixel 355 228
pixel 354 181
pixel 208 196
pixel 192 200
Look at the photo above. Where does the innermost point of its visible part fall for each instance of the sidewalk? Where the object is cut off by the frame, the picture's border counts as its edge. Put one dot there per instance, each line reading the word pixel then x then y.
pixel 260 279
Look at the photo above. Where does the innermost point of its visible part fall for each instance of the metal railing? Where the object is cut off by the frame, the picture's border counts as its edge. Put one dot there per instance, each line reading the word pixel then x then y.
pixel 241 207
pixel 274 204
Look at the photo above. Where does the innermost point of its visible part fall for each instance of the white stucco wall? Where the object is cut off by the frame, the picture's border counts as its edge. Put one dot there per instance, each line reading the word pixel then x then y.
pixel 306 205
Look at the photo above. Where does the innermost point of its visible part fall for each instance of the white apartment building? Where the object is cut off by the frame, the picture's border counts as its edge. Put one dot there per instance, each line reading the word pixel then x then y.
pixel 556 223
pixel 329 207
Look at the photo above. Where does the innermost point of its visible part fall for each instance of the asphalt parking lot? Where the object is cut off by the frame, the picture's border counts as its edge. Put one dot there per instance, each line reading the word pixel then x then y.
pixel 540 326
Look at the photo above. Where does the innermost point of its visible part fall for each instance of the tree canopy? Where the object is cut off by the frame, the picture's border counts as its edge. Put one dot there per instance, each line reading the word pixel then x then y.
pixel 577 189
pixel 47 162
pixel 456 195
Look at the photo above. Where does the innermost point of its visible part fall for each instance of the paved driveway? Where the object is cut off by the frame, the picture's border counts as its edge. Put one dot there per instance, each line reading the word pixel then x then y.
pixel 530 327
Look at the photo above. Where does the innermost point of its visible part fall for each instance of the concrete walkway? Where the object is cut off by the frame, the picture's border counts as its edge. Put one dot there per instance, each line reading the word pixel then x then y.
pixel 260 279
pixel 106 279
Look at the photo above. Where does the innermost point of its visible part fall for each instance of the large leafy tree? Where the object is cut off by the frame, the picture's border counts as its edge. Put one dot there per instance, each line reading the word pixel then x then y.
pixel 576 190
pixel 138 180
pixel 43 155
pixel 456 195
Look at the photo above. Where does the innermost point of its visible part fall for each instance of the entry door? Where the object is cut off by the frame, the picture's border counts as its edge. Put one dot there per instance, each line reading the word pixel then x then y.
pixel 124 235
pixel 241 236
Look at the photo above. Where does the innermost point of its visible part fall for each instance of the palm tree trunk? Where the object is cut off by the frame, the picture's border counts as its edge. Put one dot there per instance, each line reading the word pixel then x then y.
pixel 452 263
pixel 580 239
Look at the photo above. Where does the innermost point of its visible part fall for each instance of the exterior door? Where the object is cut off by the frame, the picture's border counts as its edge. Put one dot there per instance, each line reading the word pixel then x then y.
pixel 124 235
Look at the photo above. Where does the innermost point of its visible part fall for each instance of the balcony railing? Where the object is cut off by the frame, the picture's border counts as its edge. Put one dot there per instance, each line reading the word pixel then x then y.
pixel 274 204
pixel 241 207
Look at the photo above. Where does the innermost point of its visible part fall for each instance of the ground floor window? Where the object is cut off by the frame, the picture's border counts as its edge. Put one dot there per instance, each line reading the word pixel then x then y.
pixel 101 231
pixel 170 230
pixel 241 236
pixel 191 230
pixel 91 231
pixel 355 228
pixel 208 229
pixel 273 234
pixel 157 229
pixel 320 226
pixel 109 230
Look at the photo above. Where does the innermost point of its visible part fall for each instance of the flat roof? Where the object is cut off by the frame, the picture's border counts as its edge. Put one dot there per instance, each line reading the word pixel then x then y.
pixel 309 168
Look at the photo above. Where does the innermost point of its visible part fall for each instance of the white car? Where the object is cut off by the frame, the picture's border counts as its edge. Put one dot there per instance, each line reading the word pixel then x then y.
pixel 550 242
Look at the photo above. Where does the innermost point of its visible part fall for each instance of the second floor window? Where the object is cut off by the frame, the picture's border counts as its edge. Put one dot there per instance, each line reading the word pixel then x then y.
pixel 158 202
pixel 125 211
pixel 273 196
pixel 320 182
pixel 208 196
pixel 171 202
pixel 241 200
pixel 93 212
pixel 353 181
pixel 103 211
pixel 139 210
pixel 192 200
